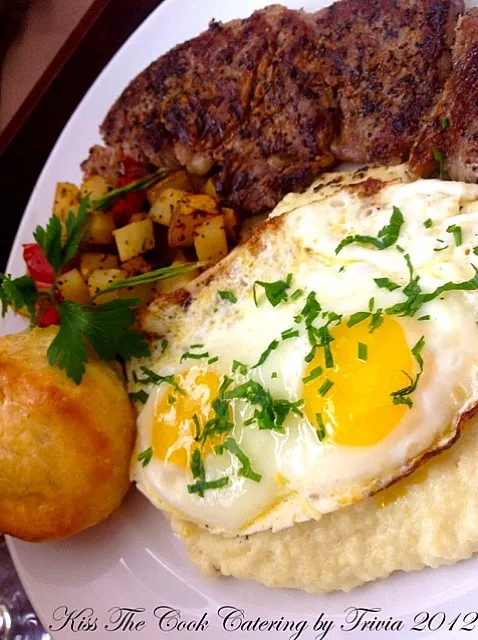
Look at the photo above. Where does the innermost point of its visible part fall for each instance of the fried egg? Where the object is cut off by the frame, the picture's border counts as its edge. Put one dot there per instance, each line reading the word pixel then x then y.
pixel 322 360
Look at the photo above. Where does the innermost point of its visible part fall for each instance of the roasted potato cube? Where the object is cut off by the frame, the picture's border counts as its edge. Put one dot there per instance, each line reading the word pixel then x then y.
pixel 201 202
pixel 136 217
pixel 101 279
pixel 136 266
pixel 210 188
pixel 90 260
pixel 134 239
pixel 72 287
pixel 183 223
pixel 99 228
pixel 66 199
pixel 95 188
pixel 231 220
pixel 210 239
pixel 175 180
pixel 162 208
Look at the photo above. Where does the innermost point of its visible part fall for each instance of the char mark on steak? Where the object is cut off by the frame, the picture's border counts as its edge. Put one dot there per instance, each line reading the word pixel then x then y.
pixel 270 101
pixel 451 131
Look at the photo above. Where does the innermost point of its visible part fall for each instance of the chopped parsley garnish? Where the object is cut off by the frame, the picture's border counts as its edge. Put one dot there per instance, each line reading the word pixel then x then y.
pixel 274 374
pixel 172 399
pixel 319 337
pixel 289 333
pixel 194 356
pixel 475 251
pixel 457 233
pixel 416 298
pixel 213 360
pixel 386 283
pixel 315 373
pixel 387 236
pixel 445 246
pixel 371 304
pixel 145 456
pixel 402 396
pixel 439 158
pixel 196 346
pixel 273 345
pixel 197 469
pixel 153 378
pixel 201 486
pixel 444 123
pixel 297 294
pixel 362 352
pixel 421 318
pixel 245 470
pixel 239 366
pixel 321 432
pixel 358 317
pixel 139 396
pixel 325 388
pixel 164 345
pixel 225 384
pixel 376 321
pixel 428 223
pixel 197 428
pixel 276 292
pixel 228 295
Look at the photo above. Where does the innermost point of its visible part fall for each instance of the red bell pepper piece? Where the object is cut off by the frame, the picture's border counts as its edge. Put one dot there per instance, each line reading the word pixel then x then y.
pixel 38 266
pixel 48 317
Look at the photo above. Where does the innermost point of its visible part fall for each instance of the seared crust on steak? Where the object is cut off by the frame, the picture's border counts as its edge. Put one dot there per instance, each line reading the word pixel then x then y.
pixel 452 128
pixel 270 101
pixel 387 61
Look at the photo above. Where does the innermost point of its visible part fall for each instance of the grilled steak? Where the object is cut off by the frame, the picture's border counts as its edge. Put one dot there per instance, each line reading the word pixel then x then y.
pixel 387 62
pixel 269 101
pixel 451 131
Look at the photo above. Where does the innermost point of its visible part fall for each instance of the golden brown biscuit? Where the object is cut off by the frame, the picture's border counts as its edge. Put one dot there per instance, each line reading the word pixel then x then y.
pixel 64 448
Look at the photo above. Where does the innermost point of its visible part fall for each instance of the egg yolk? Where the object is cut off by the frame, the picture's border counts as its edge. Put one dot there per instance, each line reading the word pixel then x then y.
pixel 358 410
pixel 177 414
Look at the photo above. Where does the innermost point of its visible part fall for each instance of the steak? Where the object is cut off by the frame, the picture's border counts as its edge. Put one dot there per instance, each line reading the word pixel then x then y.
pixel 268 102
pixel 451 131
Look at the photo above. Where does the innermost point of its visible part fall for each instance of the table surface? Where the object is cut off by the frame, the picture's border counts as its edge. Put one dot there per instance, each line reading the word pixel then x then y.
pixel 20 165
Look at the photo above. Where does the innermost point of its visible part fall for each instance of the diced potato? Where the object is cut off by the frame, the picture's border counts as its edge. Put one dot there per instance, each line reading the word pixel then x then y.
pixel 231 220
pixel 175 180
pixel 183 223
pixel 72 287
pixel 171 284
pixel 91 260
pixel 162 208
pixel 210 188
pixel 136 266
pixel 95 188
pixel 66 199
pixel 210 240
pixel 101 279
pixel 99 228
pixel 134 239
pixel 201 202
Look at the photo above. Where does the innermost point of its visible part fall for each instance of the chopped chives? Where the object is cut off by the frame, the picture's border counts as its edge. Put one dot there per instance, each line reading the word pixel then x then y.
pixel 362 351
pixel 325 388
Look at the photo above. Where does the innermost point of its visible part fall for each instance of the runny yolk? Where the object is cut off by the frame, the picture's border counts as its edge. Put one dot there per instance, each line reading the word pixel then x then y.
pixel 358 409
pixel 174 427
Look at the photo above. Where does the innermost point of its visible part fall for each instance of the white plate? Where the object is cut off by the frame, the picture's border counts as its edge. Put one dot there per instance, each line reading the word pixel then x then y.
pixel 133 560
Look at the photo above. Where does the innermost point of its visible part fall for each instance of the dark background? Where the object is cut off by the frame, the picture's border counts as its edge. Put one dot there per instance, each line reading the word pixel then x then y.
pixel 23 159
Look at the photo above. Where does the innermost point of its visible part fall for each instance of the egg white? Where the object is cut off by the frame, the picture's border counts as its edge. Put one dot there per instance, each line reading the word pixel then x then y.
pixel 303 477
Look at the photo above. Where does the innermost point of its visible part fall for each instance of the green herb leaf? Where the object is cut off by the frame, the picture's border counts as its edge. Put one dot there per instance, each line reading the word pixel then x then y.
pixel 376 320
pixel 428 223
pixel 201 486
pixel 273 345
pixel 228 295
pixel 289 333
pixel 238 366
pixel 315 373
pixel 325 388
pixel 197 428
pixel 150 377
pixel 194 356
pixel 18 293
pixel 197 469
pixel 245 469
pixel 355 318
pixel 362 352
pixel 276 292
pixel 321 432
pixel 387 236
pixel 439 158
pixel 386 283
pixel 213 360
pixel 444 123
pixel 457 233
pixel 139 396
pixel 145 456
pixel 105 327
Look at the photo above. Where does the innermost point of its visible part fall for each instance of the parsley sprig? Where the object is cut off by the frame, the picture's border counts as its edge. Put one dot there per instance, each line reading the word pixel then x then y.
pixel 387 236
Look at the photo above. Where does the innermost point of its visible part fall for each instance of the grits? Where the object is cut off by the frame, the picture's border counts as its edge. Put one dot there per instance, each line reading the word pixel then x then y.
pixel 426 520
